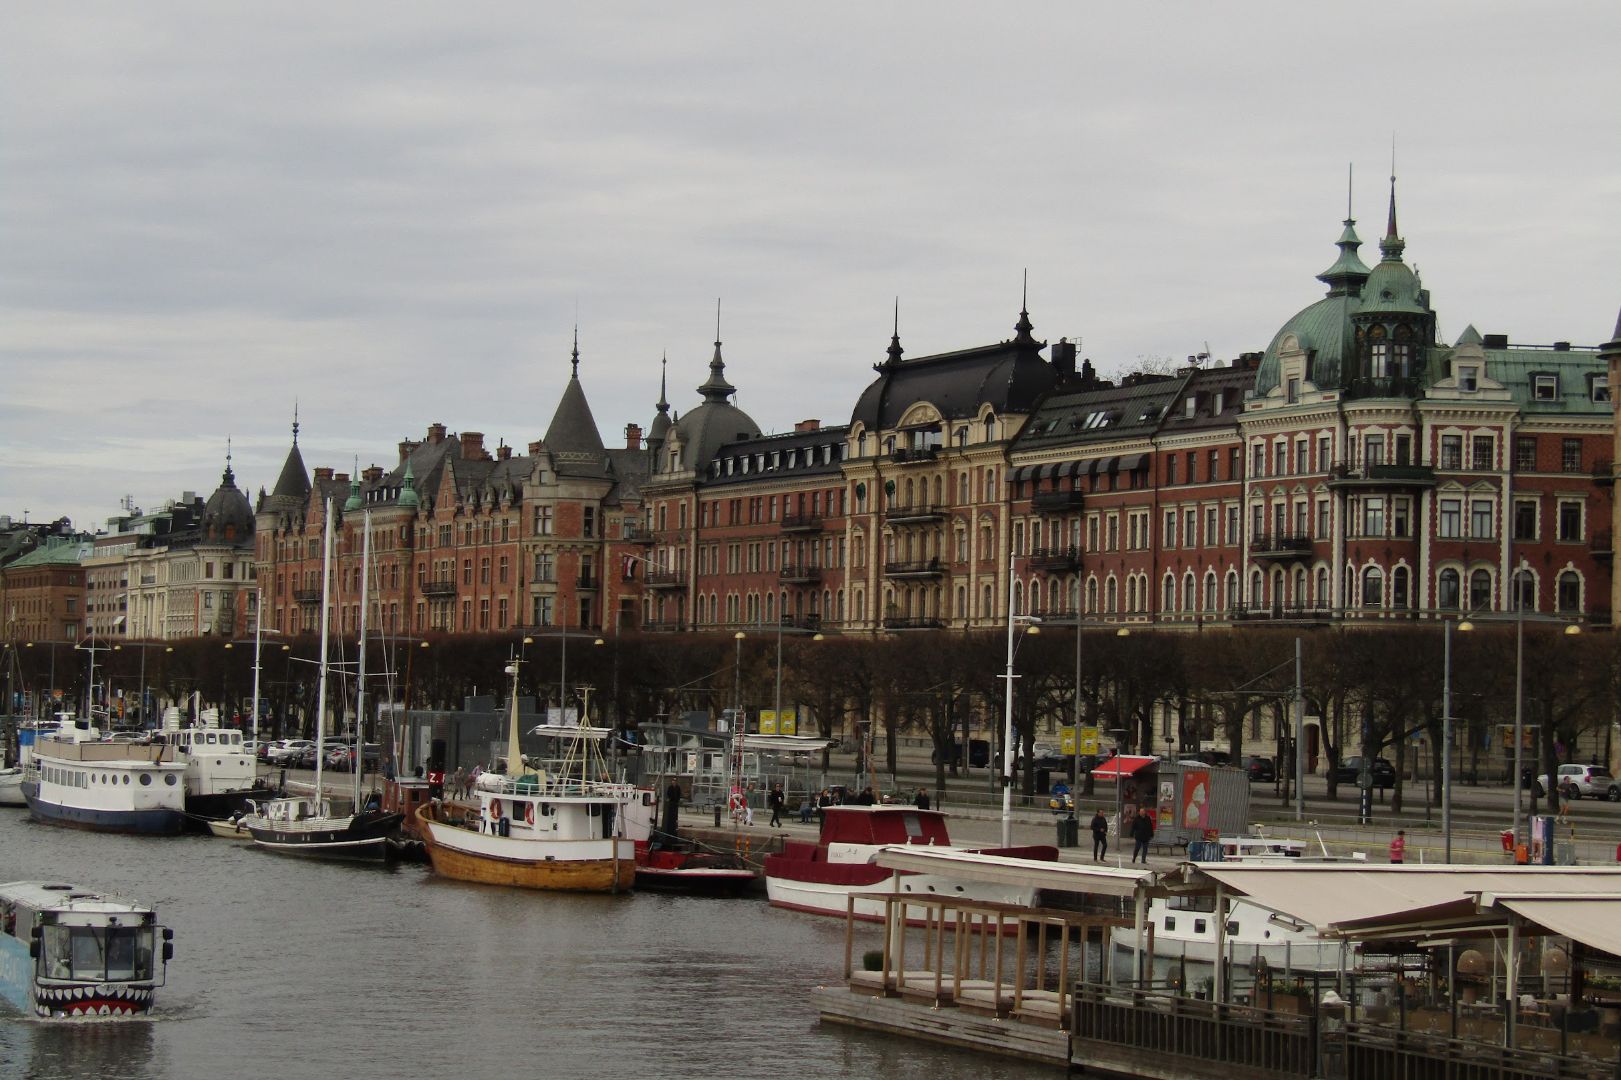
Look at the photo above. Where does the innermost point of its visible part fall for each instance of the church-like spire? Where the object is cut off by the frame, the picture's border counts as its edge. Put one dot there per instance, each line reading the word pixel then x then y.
pixel 229 479
pixel 664 397
pixel 895 350
pixel 1024 327
pixel 716 388
pixel 295 421
pixel 574 357
pixel 354 501
pixel 1348 273
pixel 408 491
pixel 1392 246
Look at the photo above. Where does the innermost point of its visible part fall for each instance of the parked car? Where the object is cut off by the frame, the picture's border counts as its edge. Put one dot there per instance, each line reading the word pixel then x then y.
pixel 979 754
pixel 289 751
pixel 1588 782
pixel 1260 770
pixel 1213 757
pixel 1382 774
pixel 343 758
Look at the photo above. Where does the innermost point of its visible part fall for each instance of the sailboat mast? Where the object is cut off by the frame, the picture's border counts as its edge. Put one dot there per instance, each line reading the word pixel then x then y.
pixel 359 764
pixel 320 690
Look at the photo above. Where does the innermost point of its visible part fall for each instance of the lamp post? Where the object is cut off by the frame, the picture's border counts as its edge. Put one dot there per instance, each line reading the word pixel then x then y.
pixel 1030 626
pixel 737 712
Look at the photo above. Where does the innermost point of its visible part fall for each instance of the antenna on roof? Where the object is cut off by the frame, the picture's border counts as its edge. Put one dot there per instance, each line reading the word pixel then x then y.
pixel 717 320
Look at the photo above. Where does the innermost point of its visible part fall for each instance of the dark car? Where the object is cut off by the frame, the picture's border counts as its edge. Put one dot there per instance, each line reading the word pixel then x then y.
pixel 979 754
pixel 1382 774
pixel 1260 770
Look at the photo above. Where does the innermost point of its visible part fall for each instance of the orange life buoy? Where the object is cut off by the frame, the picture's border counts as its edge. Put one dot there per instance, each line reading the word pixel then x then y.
pixel 529 813
pixel 495 809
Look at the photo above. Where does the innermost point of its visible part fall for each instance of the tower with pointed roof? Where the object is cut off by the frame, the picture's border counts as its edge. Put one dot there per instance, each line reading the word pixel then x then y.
pixel 1394 325
pixel 572 437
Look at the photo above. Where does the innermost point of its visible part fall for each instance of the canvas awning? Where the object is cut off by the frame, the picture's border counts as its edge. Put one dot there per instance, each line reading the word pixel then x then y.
pixel 1133 462
pixel 1022 473
pixel 1035 873
pixel 1593 921
pixel 1358 900
pixel 1121 765
pixel 787 744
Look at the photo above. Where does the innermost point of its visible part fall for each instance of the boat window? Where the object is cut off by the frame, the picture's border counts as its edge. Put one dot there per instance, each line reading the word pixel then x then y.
pixel 1198 926
pixel 1192 903
pixel 146 779
pixel 1232 927
pixel 98 953
pixel 1170 922
pixel 914 827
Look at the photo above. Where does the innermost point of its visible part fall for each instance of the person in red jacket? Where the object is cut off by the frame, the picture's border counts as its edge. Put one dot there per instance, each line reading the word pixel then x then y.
pixel 1398 846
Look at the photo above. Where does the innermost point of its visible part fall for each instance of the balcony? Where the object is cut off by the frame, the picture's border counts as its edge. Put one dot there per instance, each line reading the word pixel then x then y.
pixel 1602 545
pixel 920 568
pixel 438 587
pixel 636 535
pixel 1281 546
pixel 1055 502
pixel 306 596
pixel 910 623
pixel 916 513
pixel 914 454
pixel 801 523
pixel 665 626
pixel 1058 559
pixel 1388 387
pixel 666 579
pixel 1604 473
pixel 1279 613
pixel 1346 475
pixel 799 575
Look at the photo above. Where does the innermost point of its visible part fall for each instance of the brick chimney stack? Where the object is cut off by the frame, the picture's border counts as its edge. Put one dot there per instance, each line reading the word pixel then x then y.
pixel 406 447
pixel 503 452
pixel 373 474
pixel 808 425
pixel 436 434
pixel 633 436
pixel 472 446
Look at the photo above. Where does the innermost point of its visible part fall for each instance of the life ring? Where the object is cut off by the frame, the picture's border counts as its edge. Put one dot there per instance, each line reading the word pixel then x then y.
pixel 529 812
pixel 495 809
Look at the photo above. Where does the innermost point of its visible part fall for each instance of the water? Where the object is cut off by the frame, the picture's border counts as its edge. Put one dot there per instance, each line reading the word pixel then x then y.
pixel 287 969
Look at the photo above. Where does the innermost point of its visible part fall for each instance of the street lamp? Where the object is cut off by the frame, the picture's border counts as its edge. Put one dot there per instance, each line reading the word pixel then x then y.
pixel 1030 626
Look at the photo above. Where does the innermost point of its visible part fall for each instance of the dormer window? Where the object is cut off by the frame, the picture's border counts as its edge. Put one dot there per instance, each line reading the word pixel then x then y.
pixel 1294 392
pixel 1192 406
pixel 1545 387
pixel 1598 387
pixel 1468 378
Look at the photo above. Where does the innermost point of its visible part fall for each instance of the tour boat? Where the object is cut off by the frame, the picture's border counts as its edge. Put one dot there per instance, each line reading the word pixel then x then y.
pixel 1185 926
pixel 571 830
pixel 682 867
pixel 820 877
pixel 307 825
pixel 75 778
pixel 221 775
pixel 71 953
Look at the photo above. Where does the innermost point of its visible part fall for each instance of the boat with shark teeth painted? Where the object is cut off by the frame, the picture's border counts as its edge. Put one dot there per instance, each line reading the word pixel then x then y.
pixel 68 952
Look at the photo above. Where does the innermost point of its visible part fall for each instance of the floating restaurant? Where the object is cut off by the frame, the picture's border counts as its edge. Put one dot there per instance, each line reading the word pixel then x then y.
pixel 1443 971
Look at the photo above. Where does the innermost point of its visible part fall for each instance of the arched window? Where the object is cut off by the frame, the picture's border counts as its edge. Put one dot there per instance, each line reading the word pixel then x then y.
pixel 1399 591
pixel 1448 590
pixel 1091 595
pixel 1257 590
pixel 1480 591
pixel 1018 598
pixel 1525 590
pixel 1322 587
pixel 1570 592
pixel 1168 599
pixel 1210 591
pixel 1231 586
pixel 1373 587
pixel 1112 595
pixel 962 488
pixel 1190 593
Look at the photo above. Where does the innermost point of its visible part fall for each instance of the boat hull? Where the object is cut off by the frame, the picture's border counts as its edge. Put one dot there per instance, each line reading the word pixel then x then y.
pixel 152 822
pixel 363 837
pixel 229 830
pixel 698 882
pixel 464 855
pixel 822 897
pixel 11 788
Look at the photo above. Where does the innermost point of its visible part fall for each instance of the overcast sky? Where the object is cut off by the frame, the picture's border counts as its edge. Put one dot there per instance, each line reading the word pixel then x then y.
pixel 393 212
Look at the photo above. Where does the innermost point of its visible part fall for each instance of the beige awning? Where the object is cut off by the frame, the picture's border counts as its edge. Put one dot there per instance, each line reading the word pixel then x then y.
pixel 1593 921
pixel 1033 873
pixel 1332 897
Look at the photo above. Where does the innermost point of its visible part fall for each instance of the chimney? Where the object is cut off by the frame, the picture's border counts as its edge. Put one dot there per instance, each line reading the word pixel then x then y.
pixel 534 448
pixel 373 474
pixel 323 472
pixel 808 425
pixel 1063 358
pixel 503 452
pixel 472 445
pixel 436 434
pixel 406 447
pixel 1494 341
pixel 633 436
pixel 1561 346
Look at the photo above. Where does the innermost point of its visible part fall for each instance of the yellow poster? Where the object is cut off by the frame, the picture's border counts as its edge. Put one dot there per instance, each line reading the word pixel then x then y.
pixel 770 724
pixel 1066 741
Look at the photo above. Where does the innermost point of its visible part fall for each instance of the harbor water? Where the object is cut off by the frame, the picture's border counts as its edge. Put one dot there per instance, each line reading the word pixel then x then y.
pixel 286 968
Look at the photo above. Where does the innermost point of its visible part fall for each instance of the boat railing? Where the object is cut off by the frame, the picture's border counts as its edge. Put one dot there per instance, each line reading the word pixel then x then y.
pixel 558 788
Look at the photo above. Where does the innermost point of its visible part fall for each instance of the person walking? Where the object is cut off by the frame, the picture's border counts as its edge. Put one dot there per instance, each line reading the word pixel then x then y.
pixel 1398 847
pixel 1142 831
pixel 1100 837
pixel 776 800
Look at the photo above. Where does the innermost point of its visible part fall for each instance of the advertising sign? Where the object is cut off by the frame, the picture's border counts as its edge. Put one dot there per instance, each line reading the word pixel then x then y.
pixel 771 724
pixel 1195 799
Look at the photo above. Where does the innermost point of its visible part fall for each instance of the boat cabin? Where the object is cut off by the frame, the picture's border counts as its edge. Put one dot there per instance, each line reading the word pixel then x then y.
pixel 883 825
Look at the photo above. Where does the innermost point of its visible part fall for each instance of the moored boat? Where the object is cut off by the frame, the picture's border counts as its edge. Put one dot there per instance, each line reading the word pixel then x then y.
pixel 681 867
pixel 221 776
pixel 11 787
pixel 76 779
pixel 820 877
pixel 72 953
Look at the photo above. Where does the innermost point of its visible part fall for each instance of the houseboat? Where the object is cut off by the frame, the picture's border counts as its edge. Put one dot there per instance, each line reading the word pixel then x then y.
pixel 78 779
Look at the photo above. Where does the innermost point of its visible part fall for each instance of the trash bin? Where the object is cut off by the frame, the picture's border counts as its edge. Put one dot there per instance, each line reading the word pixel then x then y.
pixel 1069 832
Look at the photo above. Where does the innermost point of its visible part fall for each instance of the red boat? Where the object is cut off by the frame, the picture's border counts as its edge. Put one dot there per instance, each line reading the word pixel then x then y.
pixel 683 868
pixel 820 877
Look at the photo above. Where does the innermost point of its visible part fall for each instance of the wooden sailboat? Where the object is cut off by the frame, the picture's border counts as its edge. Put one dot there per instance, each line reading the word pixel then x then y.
pixel 307 826
pixel 567 831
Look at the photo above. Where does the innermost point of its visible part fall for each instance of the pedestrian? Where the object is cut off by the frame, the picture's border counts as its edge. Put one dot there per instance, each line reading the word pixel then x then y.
pixel 672 808
pixel 922 800
pixel 1142 831
pixel 865 798
pixel 436 782
pixel 775 800
pixel 1398 847
pixel 1100 837
pixel 805 805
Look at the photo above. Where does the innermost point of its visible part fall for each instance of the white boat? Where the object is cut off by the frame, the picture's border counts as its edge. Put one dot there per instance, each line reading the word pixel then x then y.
pixel 11 787
pixel 1185 926
pixel 307 825
pixel 71 953
pixel 820 877
pixel 221 775
pixel 571 830
pixel 74 778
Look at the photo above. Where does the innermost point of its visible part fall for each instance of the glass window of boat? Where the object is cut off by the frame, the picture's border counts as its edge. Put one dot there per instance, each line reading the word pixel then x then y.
pixel 914 827
pixel 1170 923
pixel 100 953
pixel 1198 926
pixel 1232 927
pixel 1192 903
